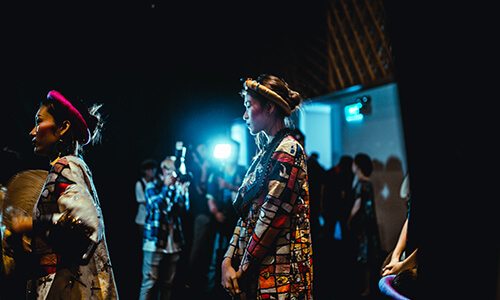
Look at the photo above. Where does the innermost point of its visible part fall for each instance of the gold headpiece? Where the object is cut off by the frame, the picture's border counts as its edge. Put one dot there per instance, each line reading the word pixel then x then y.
pixel 268 93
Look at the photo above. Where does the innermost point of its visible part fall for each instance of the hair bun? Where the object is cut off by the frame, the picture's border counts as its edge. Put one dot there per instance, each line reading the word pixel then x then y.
pixel 96 122
pixel 294 99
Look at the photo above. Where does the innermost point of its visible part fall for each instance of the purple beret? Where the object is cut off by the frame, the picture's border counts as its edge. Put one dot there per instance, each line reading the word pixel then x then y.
pixel 81 125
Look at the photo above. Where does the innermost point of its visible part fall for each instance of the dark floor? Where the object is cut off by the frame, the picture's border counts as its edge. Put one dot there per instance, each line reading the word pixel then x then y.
pixel 334 276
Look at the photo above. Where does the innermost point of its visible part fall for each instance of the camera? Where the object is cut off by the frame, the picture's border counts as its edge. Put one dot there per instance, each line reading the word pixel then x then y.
pixel 180 163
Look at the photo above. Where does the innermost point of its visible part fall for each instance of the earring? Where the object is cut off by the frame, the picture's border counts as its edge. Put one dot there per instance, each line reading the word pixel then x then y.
pixel 59 146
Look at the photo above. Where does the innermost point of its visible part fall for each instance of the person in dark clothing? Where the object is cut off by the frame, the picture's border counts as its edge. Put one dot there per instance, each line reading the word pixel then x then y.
pixel 316 174
pixel 362 223
pixel 338 187
pixel 200 235
pixel 223 185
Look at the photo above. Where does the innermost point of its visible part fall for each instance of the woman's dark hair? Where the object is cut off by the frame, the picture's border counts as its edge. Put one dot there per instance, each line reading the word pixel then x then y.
pixel 345 163
pixel 364 163
pixel 73 140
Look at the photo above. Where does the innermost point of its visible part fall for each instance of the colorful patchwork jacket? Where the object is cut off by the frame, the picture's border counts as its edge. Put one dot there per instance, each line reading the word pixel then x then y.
pixel 271 243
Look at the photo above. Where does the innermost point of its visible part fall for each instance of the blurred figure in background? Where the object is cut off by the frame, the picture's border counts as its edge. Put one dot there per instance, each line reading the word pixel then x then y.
pixel 362 222
pixel 336 204
pixel 316 174
pixel 148 169
pixel 200 216
pixel 223 185
pixel 316 179
pixel 163 243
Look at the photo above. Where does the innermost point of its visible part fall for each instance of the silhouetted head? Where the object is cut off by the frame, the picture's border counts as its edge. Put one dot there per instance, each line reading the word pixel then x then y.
pixel 364 163
pixel 345 163
pixel 149 168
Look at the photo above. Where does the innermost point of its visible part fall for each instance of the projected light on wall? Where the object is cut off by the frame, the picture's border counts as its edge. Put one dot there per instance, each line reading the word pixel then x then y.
pixel 356 111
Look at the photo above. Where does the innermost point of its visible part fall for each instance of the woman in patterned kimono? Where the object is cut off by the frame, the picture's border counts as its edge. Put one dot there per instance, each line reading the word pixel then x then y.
pixel 69 255
pixel 270 253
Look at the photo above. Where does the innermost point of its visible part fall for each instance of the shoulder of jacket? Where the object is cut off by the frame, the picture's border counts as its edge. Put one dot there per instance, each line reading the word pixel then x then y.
pixel 290 145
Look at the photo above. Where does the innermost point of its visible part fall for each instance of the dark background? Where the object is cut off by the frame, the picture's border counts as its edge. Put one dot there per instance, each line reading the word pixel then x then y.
pixel 444 54
pixel 136 59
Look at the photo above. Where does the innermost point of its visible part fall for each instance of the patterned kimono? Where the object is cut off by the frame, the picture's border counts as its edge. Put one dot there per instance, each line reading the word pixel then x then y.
pixel 68 244
pixel 271 242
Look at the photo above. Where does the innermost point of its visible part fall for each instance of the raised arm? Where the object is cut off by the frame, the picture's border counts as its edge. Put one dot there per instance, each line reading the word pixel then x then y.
pixel 401 244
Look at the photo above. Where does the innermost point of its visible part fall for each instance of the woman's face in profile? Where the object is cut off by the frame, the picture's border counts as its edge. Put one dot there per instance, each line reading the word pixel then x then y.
pixel 254 116
pixel 44 134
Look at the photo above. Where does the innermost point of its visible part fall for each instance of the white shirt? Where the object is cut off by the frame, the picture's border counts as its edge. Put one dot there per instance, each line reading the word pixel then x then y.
pixel 140 217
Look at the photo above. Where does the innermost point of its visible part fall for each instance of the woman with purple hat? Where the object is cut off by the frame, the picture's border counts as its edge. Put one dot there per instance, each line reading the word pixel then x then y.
pixel 68 255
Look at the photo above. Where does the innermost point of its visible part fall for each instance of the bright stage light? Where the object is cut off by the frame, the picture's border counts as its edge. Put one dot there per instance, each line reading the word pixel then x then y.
pixel 222 151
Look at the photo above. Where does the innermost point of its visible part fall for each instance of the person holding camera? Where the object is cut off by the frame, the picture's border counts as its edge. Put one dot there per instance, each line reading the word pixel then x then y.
pixel 163 241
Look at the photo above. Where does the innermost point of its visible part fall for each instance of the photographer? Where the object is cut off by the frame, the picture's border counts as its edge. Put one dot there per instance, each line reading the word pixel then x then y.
pixel 163 234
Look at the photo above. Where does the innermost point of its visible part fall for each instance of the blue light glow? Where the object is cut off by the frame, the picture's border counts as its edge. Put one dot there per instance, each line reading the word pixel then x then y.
pixel 222 151
pixel 352 112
